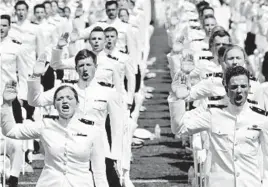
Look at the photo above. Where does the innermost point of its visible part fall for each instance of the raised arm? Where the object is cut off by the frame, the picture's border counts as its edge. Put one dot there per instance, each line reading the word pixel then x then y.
pixel 8 124
pixel 115 109
pixel 98 161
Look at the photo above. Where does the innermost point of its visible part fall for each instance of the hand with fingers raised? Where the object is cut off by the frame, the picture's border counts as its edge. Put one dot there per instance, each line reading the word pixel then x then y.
pixel 40 65
pixel 63 41
pixel 10 93
pixel 181 85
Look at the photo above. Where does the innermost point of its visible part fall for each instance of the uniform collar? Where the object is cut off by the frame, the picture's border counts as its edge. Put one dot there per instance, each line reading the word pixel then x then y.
pixel 237 110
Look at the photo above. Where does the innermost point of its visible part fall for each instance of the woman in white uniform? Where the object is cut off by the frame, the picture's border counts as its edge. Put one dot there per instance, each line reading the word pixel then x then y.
pixel 70 143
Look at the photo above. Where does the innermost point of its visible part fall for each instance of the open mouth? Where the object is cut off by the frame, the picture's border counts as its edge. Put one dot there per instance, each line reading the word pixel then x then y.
pixel 239 98
pixel 85 74
pixel 65 108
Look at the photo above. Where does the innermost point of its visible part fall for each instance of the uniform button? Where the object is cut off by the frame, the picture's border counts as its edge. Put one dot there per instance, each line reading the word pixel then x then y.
pixel 65 153
pixel 235 158
pixel 237 174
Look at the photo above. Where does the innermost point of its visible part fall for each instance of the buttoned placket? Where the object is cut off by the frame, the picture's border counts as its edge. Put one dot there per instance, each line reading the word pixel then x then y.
pixel 65 158
pixel 235 149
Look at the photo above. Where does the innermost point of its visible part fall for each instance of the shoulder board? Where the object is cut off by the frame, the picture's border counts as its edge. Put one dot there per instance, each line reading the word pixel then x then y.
pixel 197 40
pixel 69 81
pixel 103 21
pixel 54 117
pixel 32 22
pixel 252 101
pixel 17 42
pixel 87 122
pixel 215 98
pixel 214 75
pixel 259 111
pixel 121 51
pixel 112 57
pixel 206 58
pixel 253 78
pixel 104 101
pixel 216 106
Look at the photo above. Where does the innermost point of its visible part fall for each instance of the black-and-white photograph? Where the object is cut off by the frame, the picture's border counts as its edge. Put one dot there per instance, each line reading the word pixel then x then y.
pixel 134 93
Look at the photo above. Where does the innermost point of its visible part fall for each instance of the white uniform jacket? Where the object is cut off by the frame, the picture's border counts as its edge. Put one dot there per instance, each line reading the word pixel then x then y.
pixel 234 142
pixel 68 150
pixel 95 103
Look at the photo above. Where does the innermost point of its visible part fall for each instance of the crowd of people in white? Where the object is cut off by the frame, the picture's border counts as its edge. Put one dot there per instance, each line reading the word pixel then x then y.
pixel 218 65
pixel 72 87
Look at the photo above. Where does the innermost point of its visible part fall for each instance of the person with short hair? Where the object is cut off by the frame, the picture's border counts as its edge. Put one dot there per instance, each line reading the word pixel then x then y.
pixel 66 164
pixel 236 132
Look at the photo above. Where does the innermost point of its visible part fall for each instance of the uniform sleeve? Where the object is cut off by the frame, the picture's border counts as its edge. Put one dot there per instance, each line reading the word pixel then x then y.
pixel 264 147
pixel 21 64
pixel 36 96
pixel 58 63
pixel 131 81
pixel 189 122
pixel 40 42
pixel 116 109
pixel 27 130
pixel 98 161
pixel 201 90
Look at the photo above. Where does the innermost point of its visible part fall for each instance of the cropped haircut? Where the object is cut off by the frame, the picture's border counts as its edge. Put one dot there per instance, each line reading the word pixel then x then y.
pixel 83 54
pixel 21 3
pixel 109 3
pixel 235 71
pixel 111 29
pixel 220 33
pixel 7 17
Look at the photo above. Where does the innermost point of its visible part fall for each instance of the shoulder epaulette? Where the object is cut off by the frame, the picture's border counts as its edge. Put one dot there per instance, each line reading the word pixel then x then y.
pixel 252 101
pixel 87 122
pixel 69 81
pixel 206 58
pixel 103 21
pixel 104 101
pixel 253 78
pixel 112 57
pixel 215 98
pixel 54 117
pixel 197 40
pixel 258 110
pixel 121 51
pixel 214 75
pixel 216 106
pixel 194 20
pixel 32 22
pixel 17 42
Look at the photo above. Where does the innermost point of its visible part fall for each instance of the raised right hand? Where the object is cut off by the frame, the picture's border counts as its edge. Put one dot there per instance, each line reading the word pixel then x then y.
pixel 40 65
pixel 10 92
pixel 63 41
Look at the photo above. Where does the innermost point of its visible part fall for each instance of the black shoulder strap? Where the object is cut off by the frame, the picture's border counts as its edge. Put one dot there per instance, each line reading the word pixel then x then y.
pixel 217 106
pixel 258 110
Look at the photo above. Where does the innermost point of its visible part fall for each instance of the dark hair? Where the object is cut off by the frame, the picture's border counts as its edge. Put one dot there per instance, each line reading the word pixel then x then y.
pixel 63 87
pixel 39 6
pixel 7 17
pixel 46 2
pixel 121 9
pixel 222 50
pixel 21 3
pixel 235 71
pixel 67 8
pixel 206 8
pixel 220 33
pixel 201 4
pixel 83 54
pixel 109 3
pixel 111 29
pixel 209 16
pixel 97 29
pixel 54 2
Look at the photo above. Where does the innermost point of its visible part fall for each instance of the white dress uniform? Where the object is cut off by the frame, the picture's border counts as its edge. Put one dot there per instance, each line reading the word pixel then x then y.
pixel 13 66
pixel 95 103
pixel 123 29
pixel 32 40
pixel 107 70
pixel 66 164
pixel 234 142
